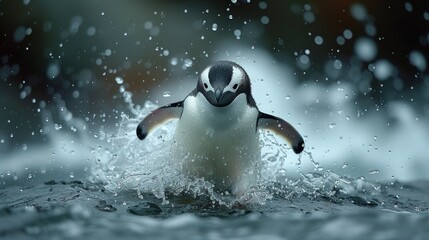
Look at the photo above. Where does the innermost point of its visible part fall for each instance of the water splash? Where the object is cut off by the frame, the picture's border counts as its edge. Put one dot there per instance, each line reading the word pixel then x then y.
pixel 155 166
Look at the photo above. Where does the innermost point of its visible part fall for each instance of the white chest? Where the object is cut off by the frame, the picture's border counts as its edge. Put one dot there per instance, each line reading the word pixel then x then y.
pixel 222 142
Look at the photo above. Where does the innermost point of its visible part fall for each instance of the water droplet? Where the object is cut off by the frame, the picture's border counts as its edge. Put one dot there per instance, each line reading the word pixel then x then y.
pixel 187 63
pixel 237 33
pixel 365 49
pixel 75 94
pixel 19 34
pixel 375 171
pixel 332 125
pixel 214 27
pixel 383 69
pixel 174 61
pixel 108 52
pixel 281 172
pixel 418 60
pixel 53 70
pixel 338 64
pixel 304 59
pixel 408 7
pixel 90 31
pixel 265 20
pixel 148 25
pixel 318 40
pixel 119 80
pixel 263 5
pixel 341 40
pixel 166 94
pixel 71 175
pixel 358 12
pixel 347 34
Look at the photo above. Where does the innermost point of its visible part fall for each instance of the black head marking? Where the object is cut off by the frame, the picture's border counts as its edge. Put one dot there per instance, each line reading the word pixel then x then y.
pixel 220 74
pixel 222 82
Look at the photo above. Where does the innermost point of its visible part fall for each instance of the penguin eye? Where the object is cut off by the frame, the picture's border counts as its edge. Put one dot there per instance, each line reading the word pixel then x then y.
pixel 235 86
pixel 206 86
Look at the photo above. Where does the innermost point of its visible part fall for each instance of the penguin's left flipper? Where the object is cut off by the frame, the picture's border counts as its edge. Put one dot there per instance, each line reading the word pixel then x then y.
pixel 283 128
pixel 157 117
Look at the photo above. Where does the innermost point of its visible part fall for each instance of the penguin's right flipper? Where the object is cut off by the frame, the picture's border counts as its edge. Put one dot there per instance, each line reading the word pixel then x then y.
pixel 157 117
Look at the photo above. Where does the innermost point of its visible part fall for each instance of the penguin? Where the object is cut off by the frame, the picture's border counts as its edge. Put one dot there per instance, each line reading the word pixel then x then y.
pixel 217 129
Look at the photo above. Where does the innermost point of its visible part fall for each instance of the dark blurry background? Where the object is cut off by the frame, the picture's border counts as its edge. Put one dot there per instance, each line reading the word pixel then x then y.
pixel 69 56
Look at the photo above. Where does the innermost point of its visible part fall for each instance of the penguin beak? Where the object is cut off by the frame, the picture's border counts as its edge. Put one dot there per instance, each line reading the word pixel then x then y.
pixel 219 98
pixel 218 95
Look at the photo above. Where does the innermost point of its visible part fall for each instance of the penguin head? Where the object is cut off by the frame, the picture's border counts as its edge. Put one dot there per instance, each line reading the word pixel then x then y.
pixel 222 82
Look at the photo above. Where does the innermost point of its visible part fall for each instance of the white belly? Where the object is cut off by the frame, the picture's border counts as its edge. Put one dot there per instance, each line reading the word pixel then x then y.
pixel 222 144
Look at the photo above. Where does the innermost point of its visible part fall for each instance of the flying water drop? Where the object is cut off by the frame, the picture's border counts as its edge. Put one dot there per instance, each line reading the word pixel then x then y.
pixel 119 80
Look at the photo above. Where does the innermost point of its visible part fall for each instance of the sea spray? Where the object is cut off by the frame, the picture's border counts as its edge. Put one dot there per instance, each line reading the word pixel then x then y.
pixel 155 166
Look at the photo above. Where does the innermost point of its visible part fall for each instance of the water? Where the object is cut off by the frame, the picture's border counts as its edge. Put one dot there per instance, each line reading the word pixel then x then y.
pixel 125 163
pixel 70 210
pixel 136 190
pixel 71 165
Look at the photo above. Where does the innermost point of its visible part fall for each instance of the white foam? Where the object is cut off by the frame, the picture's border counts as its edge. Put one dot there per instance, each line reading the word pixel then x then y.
pixel 153 165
